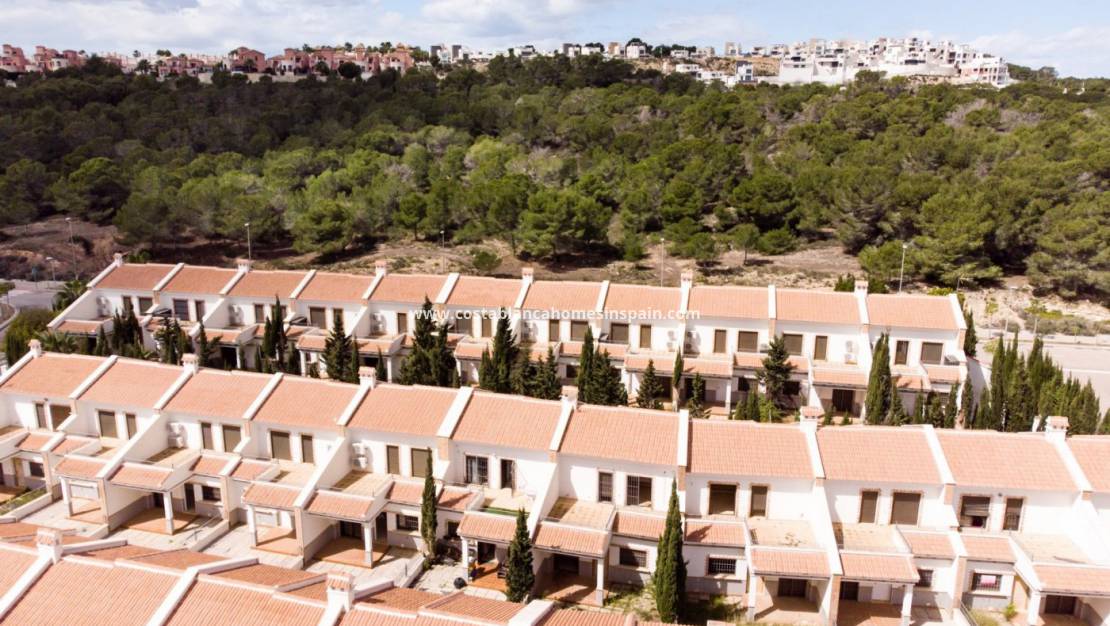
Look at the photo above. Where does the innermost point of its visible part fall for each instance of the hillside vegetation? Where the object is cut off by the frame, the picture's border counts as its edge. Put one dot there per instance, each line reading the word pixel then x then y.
pixel 572 160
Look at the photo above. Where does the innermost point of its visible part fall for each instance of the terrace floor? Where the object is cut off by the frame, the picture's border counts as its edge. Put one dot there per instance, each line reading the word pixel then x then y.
pixel 360 483
pixel 569 588
pixel 782 533
pixel 154 521
pixel 279 539
pixel 881 614
pixel 55 515
pixel 237 543
pixel 507 500
pixel 786 610
pixel 485 577
pixel 87 511
pixel 7 492
pixel 171 457
pixel 865 537
pixel 291 473
pixel 581 513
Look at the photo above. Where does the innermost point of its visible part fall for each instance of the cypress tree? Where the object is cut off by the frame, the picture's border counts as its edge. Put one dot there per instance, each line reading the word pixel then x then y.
pixel 969 335
pixel 417 368
pixel 444 366
pixel 753 406
pixel 967 403
pixel 268 338
pixel 519 577
pixel 337 348
pixel 259 360
pixel 669 580
pixel 607 387
pixel 354 362
pixel 1104 426
pixel 999 370
pixel 877 403
pixel 503 356
pixel 585 378
pixel 649 392
pixel 547 378
pixel 485 371
pixel 951 409
pixel 983 413
pixel 281 342
pixel 380 372
pixel 205 349
pixel 918 416
pixel 676 379
pixel 293 361
pixel 102 348
pixel 428 503
pixel 776 370
pixel 696 404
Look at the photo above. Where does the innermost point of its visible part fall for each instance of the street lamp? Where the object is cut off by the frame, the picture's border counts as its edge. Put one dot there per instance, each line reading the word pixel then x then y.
pixel 248 225
pixel 902 269
pixel 73 246
pixel 53 268
pixel 662 258
pixel 442 253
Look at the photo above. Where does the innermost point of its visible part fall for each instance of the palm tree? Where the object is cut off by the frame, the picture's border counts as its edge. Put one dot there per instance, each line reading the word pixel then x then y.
pixel 143 67
pixel 70 291
pixel 54 341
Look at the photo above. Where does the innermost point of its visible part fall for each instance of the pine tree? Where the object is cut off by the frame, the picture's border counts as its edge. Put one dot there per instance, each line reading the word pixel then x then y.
pixel 877 403
pixel 337 349
pixel 776 370
pixel 354 363
pixel 967 403
pixel 669 580
pixel 417 368
pixel 103 347
pixel 676 379
pixel 547 378
pixel 649 392
pixel 696 404
pixel 586 377
pixel 205 350
pixel 519 577
pixel 428 504
pixel 969 335
pixel 496 372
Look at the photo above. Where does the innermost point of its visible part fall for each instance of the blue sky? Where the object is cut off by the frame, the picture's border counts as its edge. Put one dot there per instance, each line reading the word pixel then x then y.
pixel 1073 35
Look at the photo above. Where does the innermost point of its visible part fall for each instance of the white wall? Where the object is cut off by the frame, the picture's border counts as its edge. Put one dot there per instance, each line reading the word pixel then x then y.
pixel 704 327
pixel 578 478
pixel 786 499
pixel 844 501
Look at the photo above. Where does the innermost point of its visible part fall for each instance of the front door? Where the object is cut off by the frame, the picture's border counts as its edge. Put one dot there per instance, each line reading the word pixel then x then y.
pixel 350 530
pixel 566 564
pixel 190 498
pixel 508 474
pixel 842 400
pixel 381 528
pixel 486 552
pixel 849 591
pixel 1059 605
pixel 792 588
pixel 157 499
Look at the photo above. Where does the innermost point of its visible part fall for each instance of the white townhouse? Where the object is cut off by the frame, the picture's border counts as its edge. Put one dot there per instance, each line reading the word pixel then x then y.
pixel 394 302
pixel 729 324
pixel 471 306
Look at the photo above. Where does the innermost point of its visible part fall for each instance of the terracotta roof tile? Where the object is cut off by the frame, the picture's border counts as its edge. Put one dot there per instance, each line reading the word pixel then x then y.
pixel 80 327
pixel 406 492
pixel 488 527
pixel 911 382
pixel 266 575
pixel 126 551
pixel 151 477
pixel 34 441
pixel 52 375
pixel 15 563
pixel 840 377
pixel 1071 580
pixel 209 602
pixel 639 300
pixel 805 305
pixel 769 449
pixel 134 383
pixel 800 563
pixel 562 296
pixel 988 548
pixel 333 287
pixel 217 393
pixel 897 455
pixel 199 280
pixel 177 559
pixel 210 464
pixel 455 498
pixel 362 616
pixel 485 293
pixel 415 410
pixel 270 496
pixel 640 526
pixel 473 607
pixel 906 311
pixel 1093 455
pixel 69 444
pixel 509 421
pixel 135 276
pixel 13 530
pixel 250 469
pixel 571 617
pixel 267 284
pixel 334 504
pixel 287 403
pixel 637 435
pixel 715 533
pixel 943 374
pixel 929 545
pixel 400 598
pixel 898 568
pixel 572 540
pixel 1005 461
pixel 408 288
pixel 729 302
pixel 79 468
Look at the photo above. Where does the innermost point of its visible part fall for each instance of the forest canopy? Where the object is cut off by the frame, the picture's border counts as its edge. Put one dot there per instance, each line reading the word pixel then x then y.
pixel 560 156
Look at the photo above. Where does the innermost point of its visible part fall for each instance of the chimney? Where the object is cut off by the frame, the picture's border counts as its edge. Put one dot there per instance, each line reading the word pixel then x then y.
pixel 528 274
pixel 687 279
pixel 861 286
pixel 381 267
pixel 49 543
pixel 340 590
pixel 117 259
pixel 368 376
pixel 35 346
pixel 243 265
pixel 810 416
pixel 1056 427
pixel 191 362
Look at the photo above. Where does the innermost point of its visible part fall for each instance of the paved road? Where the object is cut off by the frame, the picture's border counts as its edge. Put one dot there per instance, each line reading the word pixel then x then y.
pixel 29 295
pixel 1086 358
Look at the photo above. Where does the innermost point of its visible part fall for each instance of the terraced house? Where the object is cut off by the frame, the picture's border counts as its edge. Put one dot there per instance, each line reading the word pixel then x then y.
pixel 796 521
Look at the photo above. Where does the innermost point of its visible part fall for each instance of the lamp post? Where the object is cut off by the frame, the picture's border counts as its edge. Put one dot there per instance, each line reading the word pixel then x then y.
pixel 72 246
pixel 662 258
pixel 53 268
pixel 248 225
pixel 902 269
pixel 442 253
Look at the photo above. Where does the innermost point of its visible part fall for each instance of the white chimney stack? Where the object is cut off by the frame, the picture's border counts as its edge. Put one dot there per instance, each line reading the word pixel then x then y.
pixel 35 346
pixel 191 362
pixel 49 543
pixel 367 376
pixel 340 590
pixel 381 267
pixel 243 265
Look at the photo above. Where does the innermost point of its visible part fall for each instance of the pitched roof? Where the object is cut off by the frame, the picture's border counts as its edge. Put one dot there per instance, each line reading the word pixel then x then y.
pixel 641 300
pixel 571 539
pixel 406 492
pixel 306 402
pixel 131 382
pixel 15 563
pixel 988 548
pixel 336 287
pixel 929 545
pixel 411 410
pixel 729 302
pixel 271 495
pixel 266 575
pixel 1093 455
pixel 209 602
pixel 906 311
pixel 34 441
pixel 573 617
pixel 715 533
pixel 79 468
pixel 484 292
pixel 199 279
pixel 1072 580
pixel 894 455
pixel 407 288
pixel 805 305
pixel 509 421
pixel 768 449
pixel 467 606
pixel 135 276
pixel 216 393
pixel 488 526
pixel 334 504
pixel 628 434
pixel 1005 461
pixel 400 598
pixel 558 295
pixel 267 284
pixel 52 375
pixel 153 477
pixel 642 526
pixel 785 562
pixel 898 568
pixel 366 616
pixel 176 559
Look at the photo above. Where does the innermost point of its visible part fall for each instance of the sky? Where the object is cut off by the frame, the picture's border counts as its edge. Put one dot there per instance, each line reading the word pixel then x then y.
pixel 1071 35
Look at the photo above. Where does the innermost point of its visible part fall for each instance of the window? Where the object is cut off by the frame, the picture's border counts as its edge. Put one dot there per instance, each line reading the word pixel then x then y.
pixel 408 523
pixel 722 499
pixel 604 487
pixel 721 566
pixel 145 304
pixel 618 333
pixel 420 458
pixel 58 414
pixel 974 511
pixel 402 323
pixel 279 446
pixel 508 474
pixel 452 530
pixel 181 309
pixel 719 336
pixel 232 437
pixel 318 317
pixel 206 436
pixel 986 582
pixel 924 578
pixel 638 491
pixel 572 372
pixel 553 330
pixel 131 423
pixel 307 453
pixel 931 353
pixel 901 352
pixel 392 460
pixel 36 469
pixel 107 421
pixel 209 494
pixel 645 336
pixel 259 313
pixel 1012 521
pixel 199 306
pixel 578 330
pixel 905 507
pixel 40 415
pixel 633 558
pixel 869 502
pixel 477 470
pixel 747 341
pixel 487 326
pixel 793 344
pixel 758 506
pixel 820 347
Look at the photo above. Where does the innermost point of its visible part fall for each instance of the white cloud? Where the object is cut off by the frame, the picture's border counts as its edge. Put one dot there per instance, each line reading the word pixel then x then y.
pixel 1082 51
pixel 700 28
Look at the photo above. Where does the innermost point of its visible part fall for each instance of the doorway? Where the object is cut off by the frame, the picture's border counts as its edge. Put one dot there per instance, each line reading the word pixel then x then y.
pixel 842 400
pixel 486 552
pixel 565 564
pixel 190 498
pixel 792 588
pixel 381 527
pixel 156 498
pixel 849 591
pixel 1059 605
pixel 350 530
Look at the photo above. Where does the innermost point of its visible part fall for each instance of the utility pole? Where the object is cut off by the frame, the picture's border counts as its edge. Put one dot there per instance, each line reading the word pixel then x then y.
pixel 902 269
pixel 72 246
pixel 442 253
pixel 248 225
pixel 662 258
